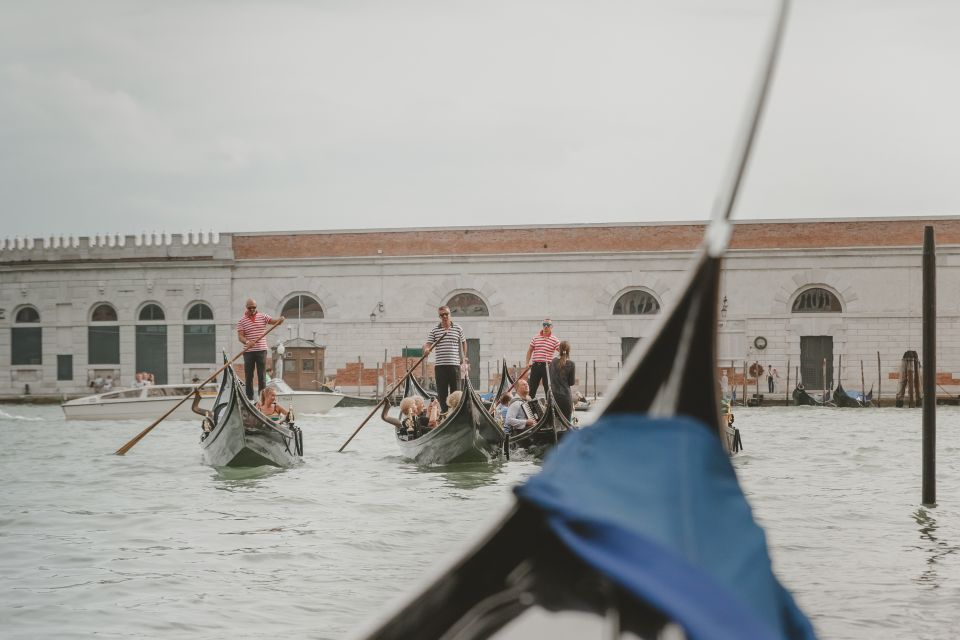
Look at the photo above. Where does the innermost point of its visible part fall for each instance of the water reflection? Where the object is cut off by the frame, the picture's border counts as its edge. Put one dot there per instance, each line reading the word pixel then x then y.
pixel 232 478
pixel 467 475
pixel 936 549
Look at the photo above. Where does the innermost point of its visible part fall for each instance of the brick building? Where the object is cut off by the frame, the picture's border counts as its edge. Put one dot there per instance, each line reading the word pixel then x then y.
pixel 72 310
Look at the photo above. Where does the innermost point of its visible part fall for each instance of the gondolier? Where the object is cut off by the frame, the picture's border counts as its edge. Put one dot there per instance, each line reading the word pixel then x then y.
pixel 250 330
pixel 450 347
pixel 541 351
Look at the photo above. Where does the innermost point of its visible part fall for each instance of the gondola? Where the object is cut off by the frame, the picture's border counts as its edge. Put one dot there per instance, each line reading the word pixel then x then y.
pixel 547 431
pixel 412 387
pixel 802 398
pixel 468 434
pixel 637 522
pixel 843 398
pixel 241 436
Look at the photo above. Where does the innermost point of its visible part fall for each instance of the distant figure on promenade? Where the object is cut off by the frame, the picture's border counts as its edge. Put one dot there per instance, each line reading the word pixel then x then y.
pixel 108 384
pixel 541 351
pixel 451 347
pixel 772 376
pixel 250 330
pixel 724 386
pixel 562 377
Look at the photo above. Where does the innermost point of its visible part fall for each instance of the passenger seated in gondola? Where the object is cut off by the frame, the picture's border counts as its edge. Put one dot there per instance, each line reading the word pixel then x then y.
pixel 503 406
pixel 268 405
pixel 409 422
pixel 517 419
pixel 434 417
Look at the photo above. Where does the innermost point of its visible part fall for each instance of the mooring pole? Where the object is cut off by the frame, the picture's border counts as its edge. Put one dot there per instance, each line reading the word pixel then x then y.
pixel 786 393
pixel 929 368
pixel 879 380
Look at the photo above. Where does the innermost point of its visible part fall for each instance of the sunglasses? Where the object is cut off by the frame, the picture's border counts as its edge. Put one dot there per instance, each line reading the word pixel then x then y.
pixel 251 308
pixel 444 315
pixel 548 324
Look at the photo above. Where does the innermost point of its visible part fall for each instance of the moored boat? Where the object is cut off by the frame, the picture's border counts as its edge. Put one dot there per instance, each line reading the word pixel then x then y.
pixel 468 434
pixel 305 401
pixel 550 428
pixel 141 403
pixel 241 436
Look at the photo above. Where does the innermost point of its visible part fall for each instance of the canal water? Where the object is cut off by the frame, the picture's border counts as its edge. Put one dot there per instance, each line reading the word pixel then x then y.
pixel 155 544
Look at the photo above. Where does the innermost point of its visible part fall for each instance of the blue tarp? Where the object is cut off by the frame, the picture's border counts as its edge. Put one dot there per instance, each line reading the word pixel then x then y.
pixel 655 506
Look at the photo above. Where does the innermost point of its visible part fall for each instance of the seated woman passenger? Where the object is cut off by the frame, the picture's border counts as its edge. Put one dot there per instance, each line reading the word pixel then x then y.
pixel 208 420
pixel 434 417
pixel 268 405
pixel 407 424
pixel 503 406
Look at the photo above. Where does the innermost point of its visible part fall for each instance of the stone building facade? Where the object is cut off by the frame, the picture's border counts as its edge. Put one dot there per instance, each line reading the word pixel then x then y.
pixel 74 310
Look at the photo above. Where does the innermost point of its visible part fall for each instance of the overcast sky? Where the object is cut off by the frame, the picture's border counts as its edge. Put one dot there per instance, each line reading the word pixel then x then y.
pixel 239 116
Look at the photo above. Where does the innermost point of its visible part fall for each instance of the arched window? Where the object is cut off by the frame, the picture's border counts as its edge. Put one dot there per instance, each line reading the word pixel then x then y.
pixel 199 335
pixel 103 313
pixel 302 306
pixel 151 313
pixel 467 305
pixel 103 336
pixel 200 311
pixel 636 303
pixel 816 300
pixel 26 342
pixel 26 315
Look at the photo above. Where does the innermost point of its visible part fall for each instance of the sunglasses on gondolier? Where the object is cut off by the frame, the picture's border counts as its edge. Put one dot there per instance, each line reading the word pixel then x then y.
pixel 548 324
pixel 444 315
pixel 251 308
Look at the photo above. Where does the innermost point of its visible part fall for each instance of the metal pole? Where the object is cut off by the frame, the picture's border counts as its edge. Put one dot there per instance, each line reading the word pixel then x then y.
pixel 786 392
pixel 743 398
pixel 863 386
pixel 879 379
pixel 594 378
pixel 929 368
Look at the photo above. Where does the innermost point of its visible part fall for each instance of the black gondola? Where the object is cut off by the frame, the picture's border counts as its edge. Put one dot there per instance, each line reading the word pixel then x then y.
pixel 802 398
pixel 549 429
pixel 842 398
pixel 468 434
pixel 638 520
pixel 241 436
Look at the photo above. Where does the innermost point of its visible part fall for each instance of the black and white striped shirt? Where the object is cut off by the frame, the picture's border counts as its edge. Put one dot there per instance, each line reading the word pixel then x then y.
pixel 446 344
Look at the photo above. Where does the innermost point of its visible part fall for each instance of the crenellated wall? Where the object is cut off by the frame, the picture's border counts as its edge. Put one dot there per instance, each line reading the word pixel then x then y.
pixel 191 245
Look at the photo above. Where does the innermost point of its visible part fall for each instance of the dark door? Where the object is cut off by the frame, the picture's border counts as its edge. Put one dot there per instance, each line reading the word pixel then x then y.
pixel 152 351
pixel 626 346
pixel 814 350
pixel 473 352
pixel 303 368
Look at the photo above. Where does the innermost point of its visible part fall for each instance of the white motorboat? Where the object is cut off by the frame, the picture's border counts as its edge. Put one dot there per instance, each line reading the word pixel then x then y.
pixel 143 403
pixel 304 401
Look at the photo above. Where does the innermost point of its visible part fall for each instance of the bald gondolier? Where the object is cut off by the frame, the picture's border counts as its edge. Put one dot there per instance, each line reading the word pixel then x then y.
pixel 450 347
pixel 250 330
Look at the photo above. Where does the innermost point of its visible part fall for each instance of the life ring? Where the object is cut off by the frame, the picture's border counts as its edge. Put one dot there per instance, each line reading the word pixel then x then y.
pixel 760 343
pixel 756 370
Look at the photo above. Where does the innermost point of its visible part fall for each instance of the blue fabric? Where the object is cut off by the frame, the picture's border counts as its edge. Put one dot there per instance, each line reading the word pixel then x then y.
pixel 655 506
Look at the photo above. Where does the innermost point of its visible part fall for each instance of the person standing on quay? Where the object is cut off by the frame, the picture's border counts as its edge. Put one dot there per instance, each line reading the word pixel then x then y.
pixel 451 347
pixel 541 351
pixel 250 330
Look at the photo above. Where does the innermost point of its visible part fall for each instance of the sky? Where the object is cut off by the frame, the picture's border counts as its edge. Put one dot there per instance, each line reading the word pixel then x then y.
pixel 127 117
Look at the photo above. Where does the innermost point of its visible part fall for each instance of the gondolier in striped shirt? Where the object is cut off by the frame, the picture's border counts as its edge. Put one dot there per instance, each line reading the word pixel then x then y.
pixel 541 351
pixel 450 347
pixel 250 332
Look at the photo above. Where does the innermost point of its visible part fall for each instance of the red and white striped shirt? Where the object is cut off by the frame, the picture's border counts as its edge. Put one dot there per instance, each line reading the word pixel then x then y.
pixel 543 347
pixel 253 328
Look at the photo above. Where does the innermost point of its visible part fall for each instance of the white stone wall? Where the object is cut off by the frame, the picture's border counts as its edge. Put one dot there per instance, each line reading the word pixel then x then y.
pixel 879 289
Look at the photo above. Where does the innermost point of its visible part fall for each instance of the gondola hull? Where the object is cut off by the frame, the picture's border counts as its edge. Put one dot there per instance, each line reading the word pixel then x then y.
pixel 243 437
pixel 468 434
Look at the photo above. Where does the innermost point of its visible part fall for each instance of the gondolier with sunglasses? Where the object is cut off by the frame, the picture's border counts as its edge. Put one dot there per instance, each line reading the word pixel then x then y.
pixel 250 330
pixel 450 347
pixel 541 351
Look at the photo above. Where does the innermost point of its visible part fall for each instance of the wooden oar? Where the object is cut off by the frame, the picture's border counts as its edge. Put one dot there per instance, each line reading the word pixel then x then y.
pixel 123 450
pixel 493 404
pixel 387 395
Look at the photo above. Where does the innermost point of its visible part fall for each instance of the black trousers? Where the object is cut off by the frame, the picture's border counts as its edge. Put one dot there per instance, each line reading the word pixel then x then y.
pixel 538 374
pixel 448 381
pixel 253 359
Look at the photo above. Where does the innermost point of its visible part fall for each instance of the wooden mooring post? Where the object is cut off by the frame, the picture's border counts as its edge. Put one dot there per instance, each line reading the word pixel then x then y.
pixel 929 489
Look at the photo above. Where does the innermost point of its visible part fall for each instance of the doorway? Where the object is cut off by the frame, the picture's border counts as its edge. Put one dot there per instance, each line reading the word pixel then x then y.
pixel 151 354
pixel 814 351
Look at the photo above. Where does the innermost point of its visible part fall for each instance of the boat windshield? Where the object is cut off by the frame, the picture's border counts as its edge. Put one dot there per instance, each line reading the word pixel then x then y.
pixel 280 386
pixel 116 395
